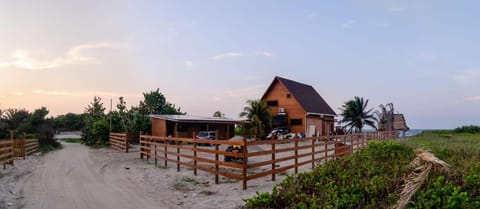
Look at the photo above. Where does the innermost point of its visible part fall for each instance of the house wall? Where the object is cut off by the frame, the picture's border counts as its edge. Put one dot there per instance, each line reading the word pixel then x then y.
pixel 293 109
pixel 187 130
pixel 323 125
pixel 159 127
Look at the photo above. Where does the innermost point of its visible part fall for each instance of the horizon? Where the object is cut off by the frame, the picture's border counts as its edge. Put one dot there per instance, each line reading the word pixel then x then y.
pixel 211 55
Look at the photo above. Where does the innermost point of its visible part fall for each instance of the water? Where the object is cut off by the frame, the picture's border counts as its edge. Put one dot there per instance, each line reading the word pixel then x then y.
pixel 413 132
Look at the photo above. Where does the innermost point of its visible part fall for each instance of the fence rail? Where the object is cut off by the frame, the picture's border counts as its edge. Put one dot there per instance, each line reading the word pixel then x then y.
pixel 6 152
pixel 119 141
pixel 257 158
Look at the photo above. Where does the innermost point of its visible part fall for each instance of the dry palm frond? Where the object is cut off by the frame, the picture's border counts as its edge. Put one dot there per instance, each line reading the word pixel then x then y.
pixel 423 164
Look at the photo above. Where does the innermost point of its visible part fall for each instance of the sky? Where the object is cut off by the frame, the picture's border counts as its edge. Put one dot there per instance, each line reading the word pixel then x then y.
pixel 204 56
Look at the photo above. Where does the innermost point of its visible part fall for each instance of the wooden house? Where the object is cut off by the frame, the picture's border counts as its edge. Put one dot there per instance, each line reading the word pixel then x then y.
pixel 299 107
pixel 188 126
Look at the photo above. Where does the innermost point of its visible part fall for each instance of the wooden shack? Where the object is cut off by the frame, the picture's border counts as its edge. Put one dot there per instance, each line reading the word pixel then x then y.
pixel 185 126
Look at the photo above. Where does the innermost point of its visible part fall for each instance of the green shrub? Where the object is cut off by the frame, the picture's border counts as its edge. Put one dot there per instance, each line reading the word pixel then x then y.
pixel 472 129
pixel 440 194
pixel 366 179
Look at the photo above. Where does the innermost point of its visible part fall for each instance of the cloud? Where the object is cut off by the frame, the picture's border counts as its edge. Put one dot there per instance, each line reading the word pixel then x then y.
pixel 263 53
pixel 188 63
pixel 82 94
pixel 76 55
pixel 238 54
pixel 466 77
pixel 349 23
pixel 472 98
pixel 227 55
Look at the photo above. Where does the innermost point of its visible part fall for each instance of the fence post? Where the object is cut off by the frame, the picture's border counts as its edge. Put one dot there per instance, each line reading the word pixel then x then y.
pixel 216 163
pixel 24 150
pixel 313 153
pixel 126 143
pixel 178 157
pixel 325 143
pixel 272 140
pixel 245 163
pixel 11 138
pixel 155 152
pixel 165 149
pixel 296 156
pixel 141 149
pixel 194 154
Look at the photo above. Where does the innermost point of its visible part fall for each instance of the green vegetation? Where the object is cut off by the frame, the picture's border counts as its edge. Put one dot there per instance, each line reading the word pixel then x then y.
pixel 373 177
pixel 72 140
pixel 468 129
pixel 257 112
pixel 134 120
pixel 47 148
pixel 355 115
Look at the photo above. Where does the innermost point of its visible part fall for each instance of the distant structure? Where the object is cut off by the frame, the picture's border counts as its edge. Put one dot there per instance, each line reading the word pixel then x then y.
pixel 399 123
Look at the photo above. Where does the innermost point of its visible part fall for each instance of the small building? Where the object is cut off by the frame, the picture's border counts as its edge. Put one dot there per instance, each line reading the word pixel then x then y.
pixel 188 126
pixel 299 107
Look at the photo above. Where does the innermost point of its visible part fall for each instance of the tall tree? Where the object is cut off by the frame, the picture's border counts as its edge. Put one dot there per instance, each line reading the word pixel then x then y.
pixel 384 117
pixel 257 112
pixel 95 131
pixel 356 115
pixel 154 102
pixel 218 114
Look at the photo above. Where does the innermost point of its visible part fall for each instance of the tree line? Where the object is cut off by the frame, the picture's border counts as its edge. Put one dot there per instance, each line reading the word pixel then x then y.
pixel 95 122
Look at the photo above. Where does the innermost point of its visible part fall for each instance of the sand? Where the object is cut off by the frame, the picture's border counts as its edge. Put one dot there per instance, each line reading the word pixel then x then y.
pixel 80 177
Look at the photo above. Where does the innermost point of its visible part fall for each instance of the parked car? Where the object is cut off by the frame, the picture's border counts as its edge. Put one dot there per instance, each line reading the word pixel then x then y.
pixel 206 135
pixel 236 149
pixel 281 133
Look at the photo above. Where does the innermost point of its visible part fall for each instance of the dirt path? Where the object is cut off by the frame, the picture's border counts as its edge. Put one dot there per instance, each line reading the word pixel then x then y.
pixel 74 177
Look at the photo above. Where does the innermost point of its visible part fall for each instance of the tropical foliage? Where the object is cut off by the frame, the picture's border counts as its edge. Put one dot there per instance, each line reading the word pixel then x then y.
pixel 98 124
pixel 355 115
pixel 384 116
pixel 257 112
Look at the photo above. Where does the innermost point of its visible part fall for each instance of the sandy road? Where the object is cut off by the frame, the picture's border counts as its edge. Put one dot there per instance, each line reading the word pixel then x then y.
pixel 74 177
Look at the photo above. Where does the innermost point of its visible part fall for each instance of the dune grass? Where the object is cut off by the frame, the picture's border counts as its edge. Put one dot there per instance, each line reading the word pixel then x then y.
pixel 374 176
pixel 72 140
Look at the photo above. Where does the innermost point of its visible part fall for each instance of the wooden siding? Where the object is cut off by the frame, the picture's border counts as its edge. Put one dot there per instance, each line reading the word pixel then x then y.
pixel 159 127
pixel 292 107
pixel 190 130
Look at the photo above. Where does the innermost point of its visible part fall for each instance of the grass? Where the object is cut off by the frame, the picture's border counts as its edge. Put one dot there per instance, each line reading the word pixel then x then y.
pixel 48 148
pixel 374 176
pixel 72 140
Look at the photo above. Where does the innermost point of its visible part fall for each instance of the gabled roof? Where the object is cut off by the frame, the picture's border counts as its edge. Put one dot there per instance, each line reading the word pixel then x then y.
pixel 306 95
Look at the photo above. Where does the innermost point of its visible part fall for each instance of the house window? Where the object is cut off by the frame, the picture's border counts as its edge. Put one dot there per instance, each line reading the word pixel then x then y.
pixel 288 96
pixel 296 122
pixel 272 103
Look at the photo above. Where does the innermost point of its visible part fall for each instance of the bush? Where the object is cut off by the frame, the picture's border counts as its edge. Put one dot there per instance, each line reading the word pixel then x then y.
pixel 472 129
pixel 366 179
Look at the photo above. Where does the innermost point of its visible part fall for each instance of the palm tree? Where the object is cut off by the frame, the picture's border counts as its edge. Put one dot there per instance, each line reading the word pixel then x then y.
pixel 384 117
pixel 257 112
pixel 356 115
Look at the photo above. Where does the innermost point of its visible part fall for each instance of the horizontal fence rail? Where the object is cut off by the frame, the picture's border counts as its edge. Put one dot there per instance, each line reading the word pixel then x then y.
pixel 6 152
pixel 119 141
pixel 257 158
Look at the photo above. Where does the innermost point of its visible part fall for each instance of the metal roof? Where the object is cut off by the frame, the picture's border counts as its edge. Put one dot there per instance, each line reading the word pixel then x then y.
pixel 193 119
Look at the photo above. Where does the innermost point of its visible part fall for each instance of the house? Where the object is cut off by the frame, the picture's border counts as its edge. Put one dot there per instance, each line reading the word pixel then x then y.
pixel 299 107
pixel 188 126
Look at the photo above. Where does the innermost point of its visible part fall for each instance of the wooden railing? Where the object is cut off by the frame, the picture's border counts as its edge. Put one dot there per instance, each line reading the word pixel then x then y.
pixel 258 159
pixel 6 152
pixel 24 147
pixel 119 141
pixel 31 146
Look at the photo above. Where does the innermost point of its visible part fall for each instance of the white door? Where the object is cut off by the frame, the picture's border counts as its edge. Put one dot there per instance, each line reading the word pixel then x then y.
pixel 311 130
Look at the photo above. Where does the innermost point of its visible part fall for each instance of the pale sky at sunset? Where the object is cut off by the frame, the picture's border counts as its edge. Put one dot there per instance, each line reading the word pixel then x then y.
pixel 422 55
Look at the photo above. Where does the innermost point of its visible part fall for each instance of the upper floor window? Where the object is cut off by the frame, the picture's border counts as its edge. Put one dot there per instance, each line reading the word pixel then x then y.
pixel 294 122
pixel 289 95
pixel 272 103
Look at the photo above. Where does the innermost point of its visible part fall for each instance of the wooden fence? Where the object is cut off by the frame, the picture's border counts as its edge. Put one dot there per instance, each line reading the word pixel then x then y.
pixel 24 147
pixel 258 159
pixel 6 152
pixel 119 141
